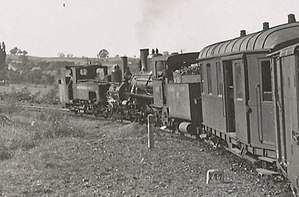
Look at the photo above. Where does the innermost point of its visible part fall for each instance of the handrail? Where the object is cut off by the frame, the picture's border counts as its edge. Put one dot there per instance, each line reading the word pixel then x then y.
pixel 259 111
pixel 223 106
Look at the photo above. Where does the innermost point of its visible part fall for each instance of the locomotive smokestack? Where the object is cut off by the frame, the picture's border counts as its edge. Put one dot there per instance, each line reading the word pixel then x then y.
pixel 291 18
pixel 124 64
pixel 265 26
pixel 242 33
pixel 143 58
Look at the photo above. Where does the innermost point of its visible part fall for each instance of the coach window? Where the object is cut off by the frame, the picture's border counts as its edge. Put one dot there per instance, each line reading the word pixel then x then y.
pixel 83 71
pixel 238 77
pixel 266 81
pixel 219 79
pixel 201 71
pixel 209 79
pixel 201 77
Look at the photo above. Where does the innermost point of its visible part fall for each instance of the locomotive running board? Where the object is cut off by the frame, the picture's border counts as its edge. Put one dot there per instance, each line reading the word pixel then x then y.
pixel 266 172
pixel 235 151
pixel 267 159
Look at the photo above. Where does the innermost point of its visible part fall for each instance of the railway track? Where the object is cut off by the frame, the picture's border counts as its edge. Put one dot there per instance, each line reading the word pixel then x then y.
pixel 32 107
pixel 37 108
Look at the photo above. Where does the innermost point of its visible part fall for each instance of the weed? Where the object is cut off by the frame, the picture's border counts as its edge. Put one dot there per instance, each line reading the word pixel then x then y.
pixel 5 153
pixel 59 125
pixel 24 95
pixel 51 96
pixel 27 129
pixel 11 107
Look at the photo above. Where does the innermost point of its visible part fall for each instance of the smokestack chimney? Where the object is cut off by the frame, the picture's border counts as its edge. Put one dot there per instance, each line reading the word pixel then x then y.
pixel 265 26
pixel 242 33
pixel 291 18
pixel 124 65
pixel 143 57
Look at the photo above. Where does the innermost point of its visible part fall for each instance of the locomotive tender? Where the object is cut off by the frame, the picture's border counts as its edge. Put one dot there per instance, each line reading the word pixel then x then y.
pixel 245 93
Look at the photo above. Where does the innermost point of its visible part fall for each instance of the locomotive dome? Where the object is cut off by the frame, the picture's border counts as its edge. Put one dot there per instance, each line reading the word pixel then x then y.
pixel 269 39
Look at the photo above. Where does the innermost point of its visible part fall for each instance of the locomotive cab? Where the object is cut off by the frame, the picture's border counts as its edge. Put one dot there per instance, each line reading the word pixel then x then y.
pixel 81 87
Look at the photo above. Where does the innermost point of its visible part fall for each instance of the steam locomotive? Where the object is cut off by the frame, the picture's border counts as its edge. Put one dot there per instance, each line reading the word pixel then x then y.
pixel 243 91
pixel 90 89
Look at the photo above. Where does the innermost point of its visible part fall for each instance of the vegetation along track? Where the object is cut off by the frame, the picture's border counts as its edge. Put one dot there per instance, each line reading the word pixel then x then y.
pixel 65 154
pixel 88 157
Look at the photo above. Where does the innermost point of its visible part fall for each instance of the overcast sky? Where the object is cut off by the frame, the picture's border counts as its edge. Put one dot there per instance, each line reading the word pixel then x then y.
pixel 84 27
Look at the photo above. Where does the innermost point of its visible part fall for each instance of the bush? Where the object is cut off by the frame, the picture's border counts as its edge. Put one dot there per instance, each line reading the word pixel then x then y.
pixel 51 96
pixel 11 106
pixel 24 95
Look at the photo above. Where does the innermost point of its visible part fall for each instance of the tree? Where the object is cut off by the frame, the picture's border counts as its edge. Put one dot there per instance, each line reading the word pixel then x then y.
pixel 2 57
pixel 61 55
pixel 103 54
pixel 14 51
pixel 24 52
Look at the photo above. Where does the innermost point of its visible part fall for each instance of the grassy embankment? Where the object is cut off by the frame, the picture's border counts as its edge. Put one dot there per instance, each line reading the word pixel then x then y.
pixel 26 129
pixel 23 130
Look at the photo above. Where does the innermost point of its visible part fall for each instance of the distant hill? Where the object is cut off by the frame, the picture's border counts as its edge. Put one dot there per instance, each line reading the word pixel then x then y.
pixel 76 60
pixel 41 70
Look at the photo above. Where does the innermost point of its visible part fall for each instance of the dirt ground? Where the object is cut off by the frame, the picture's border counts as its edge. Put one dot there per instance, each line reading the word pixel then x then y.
pixel 112 159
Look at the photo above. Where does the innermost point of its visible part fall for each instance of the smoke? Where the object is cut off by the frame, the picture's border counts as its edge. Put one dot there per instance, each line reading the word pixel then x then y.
pixel 153 14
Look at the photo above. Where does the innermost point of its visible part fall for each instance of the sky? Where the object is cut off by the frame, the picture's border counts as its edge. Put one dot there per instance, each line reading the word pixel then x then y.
pixel 83 27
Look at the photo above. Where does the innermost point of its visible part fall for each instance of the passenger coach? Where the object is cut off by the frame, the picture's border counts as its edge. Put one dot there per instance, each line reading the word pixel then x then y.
pixel 237 99
pixel 285 71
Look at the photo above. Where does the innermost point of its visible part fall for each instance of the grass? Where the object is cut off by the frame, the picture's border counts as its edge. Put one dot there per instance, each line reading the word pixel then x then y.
pixel 36 94
pixel 50 154
pixel 27 129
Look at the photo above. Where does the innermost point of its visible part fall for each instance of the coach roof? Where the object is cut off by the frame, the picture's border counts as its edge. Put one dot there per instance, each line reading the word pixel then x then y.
pixel 266 40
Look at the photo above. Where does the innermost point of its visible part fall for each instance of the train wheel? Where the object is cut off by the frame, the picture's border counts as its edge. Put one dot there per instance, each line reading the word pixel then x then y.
pixel 165 116
pixel 95 113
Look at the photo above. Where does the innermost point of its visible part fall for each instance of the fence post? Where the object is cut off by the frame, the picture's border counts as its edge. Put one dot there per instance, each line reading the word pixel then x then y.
pixel 150 131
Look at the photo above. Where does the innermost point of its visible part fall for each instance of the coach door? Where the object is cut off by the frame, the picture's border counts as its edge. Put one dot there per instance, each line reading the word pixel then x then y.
pixel 229 95
pixel 241 100
pixel 279 112
pixel 291 110
pixel 294 166
pixel 265 112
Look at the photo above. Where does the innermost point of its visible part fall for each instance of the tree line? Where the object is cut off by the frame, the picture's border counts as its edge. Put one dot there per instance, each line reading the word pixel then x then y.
pixel 21 70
